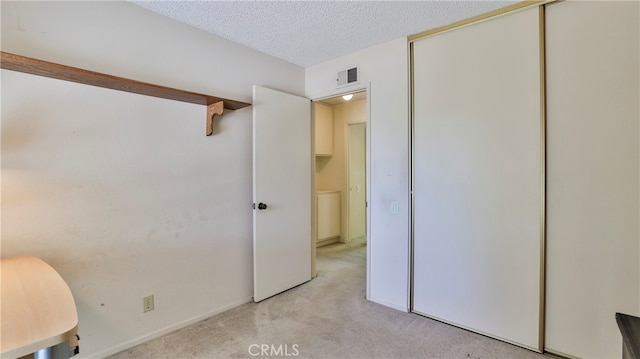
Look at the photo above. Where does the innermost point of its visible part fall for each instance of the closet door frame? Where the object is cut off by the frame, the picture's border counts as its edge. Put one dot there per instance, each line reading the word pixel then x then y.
pixel 481 18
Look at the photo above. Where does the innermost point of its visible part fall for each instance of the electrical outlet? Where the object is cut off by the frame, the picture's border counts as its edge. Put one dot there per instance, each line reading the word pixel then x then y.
pixel 147 303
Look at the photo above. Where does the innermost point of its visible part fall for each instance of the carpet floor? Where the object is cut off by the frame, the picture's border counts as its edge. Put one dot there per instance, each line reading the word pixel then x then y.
pixel 327 317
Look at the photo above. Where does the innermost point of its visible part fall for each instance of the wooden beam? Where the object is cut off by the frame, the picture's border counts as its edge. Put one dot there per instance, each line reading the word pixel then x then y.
pixel 49 69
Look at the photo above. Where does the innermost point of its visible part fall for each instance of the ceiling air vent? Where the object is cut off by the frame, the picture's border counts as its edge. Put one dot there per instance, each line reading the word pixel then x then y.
pixel 347 77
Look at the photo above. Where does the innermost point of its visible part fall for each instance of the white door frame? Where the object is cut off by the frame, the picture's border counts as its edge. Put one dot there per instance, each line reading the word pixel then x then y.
pixel 365 86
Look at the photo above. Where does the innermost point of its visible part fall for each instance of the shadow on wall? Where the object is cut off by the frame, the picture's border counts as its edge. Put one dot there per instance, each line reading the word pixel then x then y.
pixel 17 135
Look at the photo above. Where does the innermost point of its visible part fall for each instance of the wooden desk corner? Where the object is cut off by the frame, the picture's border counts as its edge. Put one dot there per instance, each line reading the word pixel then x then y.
pixel 37 309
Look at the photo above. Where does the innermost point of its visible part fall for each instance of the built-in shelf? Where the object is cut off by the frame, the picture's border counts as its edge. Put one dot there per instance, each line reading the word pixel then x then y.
pixel 33 66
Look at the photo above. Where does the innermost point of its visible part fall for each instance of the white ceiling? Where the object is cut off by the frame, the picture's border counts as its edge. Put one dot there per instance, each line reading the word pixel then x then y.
pixel 310 32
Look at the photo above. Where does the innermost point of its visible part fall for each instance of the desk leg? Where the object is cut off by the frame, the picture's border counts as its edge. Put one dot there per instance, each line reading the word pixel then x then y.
pixel 60 351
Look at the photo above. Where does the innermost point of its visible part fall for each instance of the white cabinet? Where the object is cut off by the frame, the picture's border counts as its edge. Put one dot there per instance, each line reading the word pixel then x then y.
pixel 324 130
pixel 328 205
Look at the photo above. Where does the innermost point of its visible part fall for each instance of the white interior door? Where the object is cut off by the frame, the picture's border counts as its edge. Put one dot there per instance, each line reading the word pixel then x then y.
pixel 357 181
pixel 477 193
pixel 281 191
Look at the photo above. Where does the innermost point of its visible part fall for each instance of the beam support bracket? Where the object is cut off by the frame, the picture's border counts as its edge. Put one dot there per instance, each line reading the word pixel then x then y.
pixel 213 109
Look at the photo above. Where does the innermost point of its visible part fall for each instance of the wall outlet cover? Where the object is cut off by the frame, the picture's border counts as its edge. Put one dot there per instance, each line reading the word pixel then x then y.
pixel 147 303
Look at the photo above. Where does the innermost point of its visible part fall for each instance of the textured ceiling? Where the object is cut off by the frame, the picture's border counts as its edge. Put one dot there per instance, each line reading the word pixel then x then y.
pixel 310 32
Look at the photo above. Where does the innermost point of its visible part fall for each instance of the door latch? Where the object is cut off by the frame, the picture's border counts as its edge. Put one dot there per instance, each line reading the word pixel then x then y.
pixel 261 206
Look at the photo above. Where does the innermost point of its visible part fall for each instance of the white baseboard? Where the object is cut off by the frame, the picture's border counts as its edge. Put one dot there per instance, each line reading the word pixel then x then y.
pixel 390 305
pixel 158 333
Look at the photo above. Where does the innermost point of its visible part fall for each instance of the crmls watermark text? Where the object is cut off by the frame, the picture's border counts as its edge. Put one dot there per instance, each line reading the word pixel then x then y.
pixel 272 350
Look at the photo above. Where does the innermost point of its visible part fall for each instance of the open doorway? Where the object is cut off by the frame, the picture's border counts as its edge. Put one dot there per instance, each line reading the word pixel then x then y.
pixel 340 172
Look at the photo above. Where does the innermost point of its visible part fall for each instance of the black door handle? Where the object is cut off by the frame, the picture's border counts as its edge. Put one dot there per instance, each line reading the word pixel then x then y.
pixel 262 206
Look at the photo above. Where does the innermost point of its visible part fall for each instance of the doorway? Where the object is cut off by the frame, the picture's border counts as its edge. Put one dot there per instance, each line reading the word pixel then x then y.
pixel 340 170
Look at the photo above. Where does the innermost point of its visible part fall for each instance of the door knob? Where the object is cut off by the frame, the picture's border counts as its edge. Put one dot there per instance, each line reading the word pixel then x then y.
pixel 262 206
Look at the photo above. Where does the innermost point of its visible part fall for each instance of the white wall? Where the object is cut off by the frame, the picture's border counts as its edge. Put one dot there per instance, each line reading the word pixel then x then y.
pixel 124 194
pixel 385 68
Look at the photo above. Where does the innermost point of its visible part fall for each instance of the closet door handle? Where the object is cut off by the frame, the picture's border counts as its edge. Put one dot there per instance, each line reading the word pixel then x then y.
pixel 262 206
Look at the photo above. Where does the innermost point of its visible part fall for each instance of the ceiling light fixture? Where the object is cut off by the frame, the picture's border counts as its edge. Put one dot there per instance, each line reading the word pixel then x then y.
pixel 347 97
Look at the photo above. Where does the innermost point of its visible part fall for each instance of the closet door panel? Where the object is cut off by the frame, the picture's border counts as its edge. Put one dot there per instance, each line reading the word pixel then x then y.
pixel 477 207
pixel 477 178
pixel 592 175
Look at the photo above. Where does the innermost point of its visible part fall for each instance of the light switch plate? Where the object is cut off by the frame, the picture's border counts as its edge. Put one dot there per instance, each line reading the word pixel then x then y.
pixel 394 207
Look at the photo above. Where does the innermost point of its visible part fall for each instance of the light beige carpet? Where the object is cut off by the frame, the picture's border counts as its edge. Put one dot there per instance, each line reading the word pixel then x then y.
pixel 325 318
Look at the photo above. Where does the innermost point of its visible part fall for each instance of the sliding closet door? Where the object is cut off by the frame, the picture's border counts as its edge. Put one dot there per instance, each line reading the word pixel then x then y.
pixel 592 175
pixel 477 169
